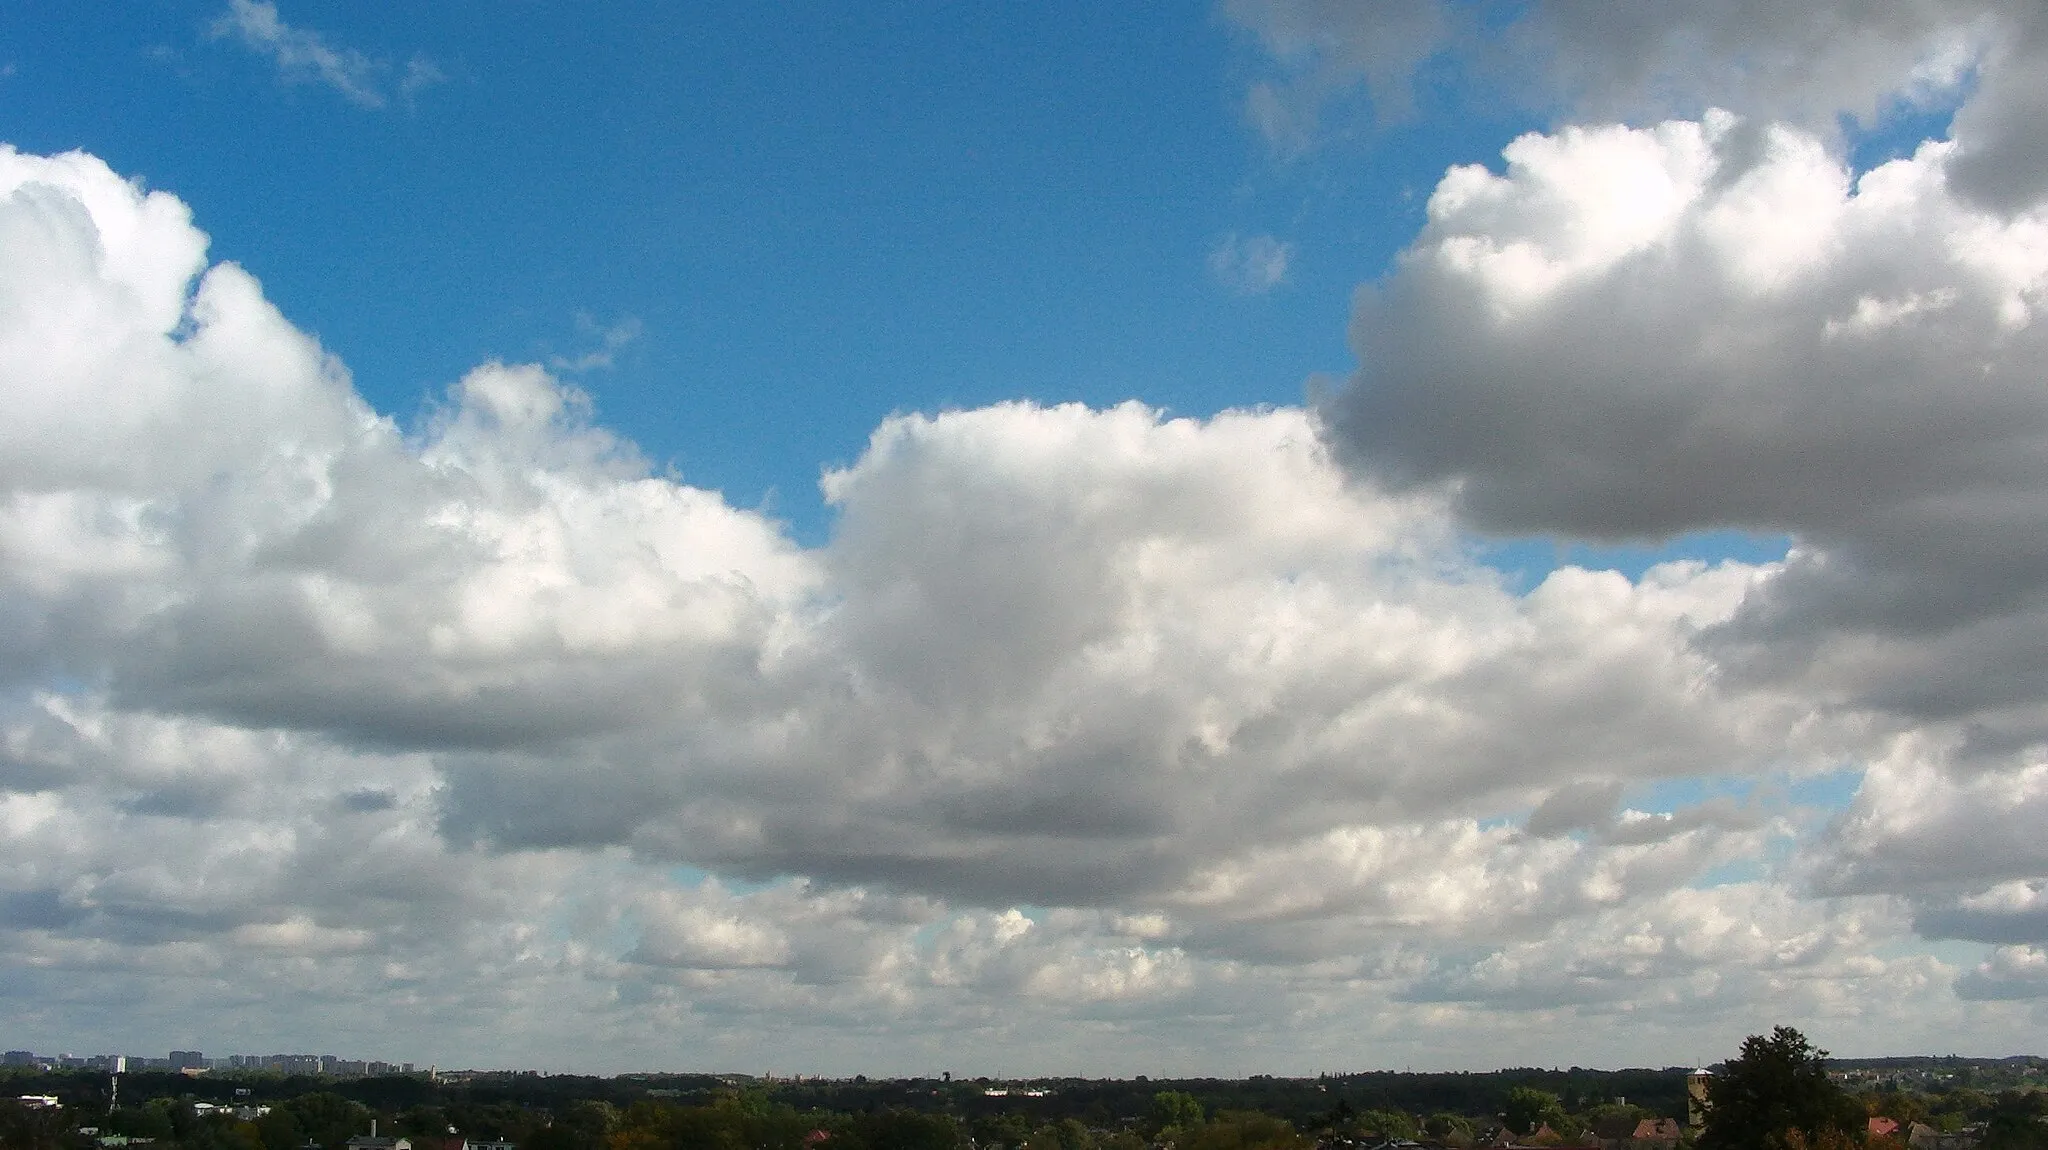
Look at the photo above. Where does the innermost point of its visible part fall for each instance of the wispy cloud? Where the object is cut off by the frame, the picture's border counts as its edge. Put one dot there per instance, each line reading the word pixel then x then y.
pixel 305 56
pixel 611 339
pixel 1250 265
pixel 420 73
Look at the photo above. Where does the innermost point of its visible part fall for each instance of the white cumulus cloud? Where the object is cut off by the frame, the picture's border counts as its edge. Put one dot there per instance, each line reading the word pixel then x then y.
pixel 1088 714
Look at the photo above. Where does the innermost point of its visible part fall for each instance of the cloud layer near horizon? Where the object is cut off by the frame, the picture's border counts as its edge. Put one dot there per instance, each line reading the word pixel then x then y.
pixel 1194 744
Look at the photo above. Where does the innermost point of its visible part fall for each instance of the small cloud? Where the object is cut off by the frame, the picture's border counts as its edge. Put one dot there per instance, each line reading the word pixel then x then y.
pixel 301 935
pixel 1286 127
pixel 306 56
pixel 1250 265
pixel 2011 973
pixel 420 74
pixel 610 340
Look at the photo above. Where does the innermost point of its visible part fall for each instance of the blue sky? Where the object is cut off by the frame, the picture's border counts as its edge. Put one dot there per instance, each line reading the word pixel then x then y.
pixel 815 216
pixel 1199 538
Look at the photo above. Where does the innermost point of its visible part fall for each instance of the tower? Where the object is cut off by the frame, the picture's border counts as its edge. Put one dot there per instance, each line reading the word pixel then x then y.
pixel 1696 1097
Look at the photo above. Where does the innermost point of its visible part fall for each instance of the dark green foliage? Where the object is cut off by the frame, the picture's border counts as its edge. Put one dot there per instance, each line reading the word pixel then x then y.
pixel 746 1121
pixel 506 1120
pixel 328 1119
pixel 29 1127
pixel 1528 1109
pixel 1387 1124
pixel 1246 1130
pixel 220 1132
pixel 2018 1122
pixel 422 1122
pixel 280 1130
pixel 1776 1086
pixel 1008 1130
pixel 553 1138
pixel 1448 1127
pixel 1612 1115
pixel 152 1120
pixel 585 1125
pixel 683 1112
pixel 391 1091
pixel 1175 1108
pixel 900 1129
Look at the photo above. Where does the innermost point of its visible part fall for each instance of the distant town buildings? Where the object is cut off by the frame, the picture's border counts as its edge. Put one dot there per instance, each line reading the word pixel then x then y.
pixel 196 1062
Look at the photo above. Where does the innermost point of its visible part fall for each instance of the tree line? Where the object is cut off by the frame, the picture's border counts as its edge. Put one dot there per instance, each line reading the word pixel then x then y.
pixel 1775 1095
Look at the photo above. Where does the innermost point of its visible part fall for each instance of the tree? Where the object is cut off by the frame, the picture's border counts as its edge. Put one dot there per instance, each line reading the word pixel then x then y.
pixel 1449 1129
pixel 280 1130
pixel 1247 1130
pixel 329 1119
pixel 901 1129
pixel 1388 1123
pixel 2018 1122
pixel 1528 1109
pixel 1777 1086
pixel 553 1137
pixel 30 1127
pixel 146 1121
pixel 1176 1108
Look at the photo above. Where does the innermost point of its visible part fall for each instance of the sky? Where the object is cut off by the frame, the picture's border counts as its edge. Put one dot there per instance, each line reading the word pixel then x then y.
pixel 1264 537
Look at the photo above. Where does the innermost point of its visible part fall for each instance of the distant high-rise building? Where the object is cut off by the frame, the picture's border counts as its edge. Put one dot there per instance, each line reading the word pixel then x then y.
pixel 187 1060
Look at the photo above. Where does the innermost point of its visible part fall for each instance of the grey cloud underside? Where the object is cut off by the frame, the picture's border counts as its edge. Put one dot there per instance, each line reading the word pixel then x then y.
pixel 1587 60
pixel 2008 928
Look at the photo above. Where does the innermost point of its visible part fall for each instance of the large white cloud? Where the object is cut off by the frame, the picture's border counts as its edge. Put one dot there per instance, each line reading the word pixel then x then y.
pixel 1083 722
pixel 1642 332
pixel 1634 333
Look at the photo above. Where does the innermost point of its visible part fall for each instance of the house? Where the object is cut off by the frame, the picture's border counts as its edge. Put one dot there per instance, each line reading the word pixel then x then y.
pixel 1921 1136
pixel 1615 1132
pixel 1542 1138
pixel 370 1141
pixel 1623 1133
pixel 1883 1127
